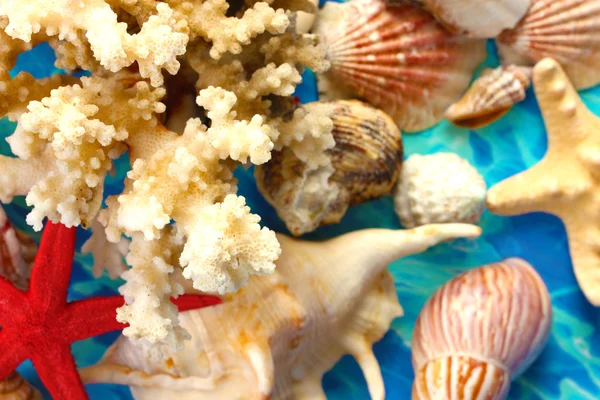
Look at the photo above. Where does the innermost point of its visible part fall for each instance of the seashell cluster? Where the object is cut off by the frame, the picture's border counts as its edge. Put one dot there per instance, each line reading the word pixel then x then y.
pixel 16 388
pixel 565 30
pixel 276 337
pixel 364 165
pixel 478 18
pixel 439 188
pixel 479 331
pixel 397 57
pixel 490 97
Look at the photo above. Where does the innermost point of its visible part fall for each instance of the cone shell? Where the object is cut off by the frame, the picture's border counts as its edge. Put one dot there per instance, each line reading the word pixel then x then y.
pixel 478 18
pixel 16 388
pixel 490 97
pixel 398 58
pixel 480 330
pixel 364 165
pixel 565 30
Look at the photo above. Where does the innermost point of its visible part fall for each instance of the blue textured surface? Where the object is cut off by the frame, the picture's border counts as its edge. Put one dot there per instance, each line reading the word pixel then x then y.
pixel 569 367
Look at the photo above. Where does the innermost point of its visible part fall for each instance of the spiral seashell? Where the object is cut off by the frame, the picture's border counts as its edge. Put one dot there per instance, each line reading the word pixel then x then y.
pixel 364 165
pixel 479 331
pixel 439 188
pixel 477 18
pixel 490 97
pixel 565 30
pixel 16 388
pixel 397 57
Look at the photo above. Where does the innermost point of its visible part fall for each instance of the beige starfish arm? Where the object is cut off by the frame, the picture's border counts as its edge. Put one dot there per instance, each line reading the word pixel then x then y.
pixel 584 247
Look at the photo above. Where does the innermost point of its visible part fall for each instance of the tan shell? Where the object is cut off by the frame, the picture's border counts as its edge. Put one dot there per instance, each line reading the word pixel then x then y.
pixel 477 18
pixel 490 97
pixel 397 57
pixel 565 30
pixel 480 330
pixel 365 161
pixel 16 388
pixel 17 252
pixel 305 20
pixel 276 337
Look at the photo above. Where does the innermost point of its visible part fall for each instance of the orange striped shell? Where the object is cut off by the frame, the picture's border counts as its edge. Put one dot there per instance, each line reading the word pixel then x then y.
pixel 565 30
pixel 397 57
pixel 480 330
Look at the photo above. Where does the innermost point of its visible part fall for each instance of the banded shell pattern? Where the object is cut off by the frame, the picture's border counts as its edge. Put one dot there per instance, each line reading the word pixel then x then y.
pixel 16 388
pixel 565 30
pixel 479 331
pixel 478 18
pixel 275 338
pixel 397 57
pixel 366 160
pixel 490 97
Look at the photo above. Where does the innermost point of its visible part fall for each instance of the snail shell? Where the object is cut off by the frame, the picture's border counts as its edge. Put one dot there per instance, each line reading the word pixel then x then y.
pixel 480 330
pixel 364 165
pixel 16 388
pixel 490 97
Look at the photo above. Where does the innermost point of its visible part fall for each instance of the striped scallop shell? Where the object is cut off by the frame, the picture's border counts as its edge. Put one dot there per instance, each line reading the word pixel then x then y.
pixel 16 388
pixel 565 30
pixel 365 163
pixel 490 97
pixel 480 330
pixel 397 57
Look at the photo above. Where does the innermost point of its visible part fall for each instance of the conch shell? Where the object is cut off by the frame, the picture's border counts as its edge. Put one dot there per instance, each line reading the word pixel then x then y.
pixel 16 388
pixel 397 57
pixel 276 337
pixel 490 97
pixel 477 18
pixel 364 165
pixel 565 30
pixel 479 331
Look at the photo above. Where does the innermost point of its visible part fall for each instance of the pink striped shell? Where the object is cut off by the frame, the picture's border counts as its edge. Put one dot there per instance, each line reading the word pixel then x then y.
pixel 397 57
pixel 480 330
pixel 565 30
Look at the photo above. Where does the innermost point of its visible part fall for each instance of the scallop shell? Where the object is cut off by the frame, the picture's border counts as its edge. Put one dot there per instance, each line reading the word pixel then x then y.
pixel 478 18
pixel 397 57
pixel 16 388
pixel 490 97
pixel 479 331
pixel 565 30
pixel 365 161
pixel 275 338
pixel 439 188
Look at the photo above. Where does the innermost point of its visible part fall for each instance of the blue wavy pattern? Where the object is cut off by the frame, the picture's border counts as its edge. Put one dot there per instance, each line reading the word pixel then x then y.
pixel 569 367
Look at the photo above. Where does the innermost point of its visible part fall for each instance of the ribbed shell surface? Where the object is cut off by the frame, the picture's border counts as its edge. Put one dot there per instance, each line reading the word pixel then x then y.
pixel 499 313
pixel 565 30
pixel 14 387
pixel 398 58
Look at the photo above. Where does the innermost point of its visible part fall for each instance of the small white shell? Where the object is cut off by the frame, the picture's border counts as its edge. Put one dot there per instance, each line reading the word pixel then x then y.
pixel 479 331
pixel 439 188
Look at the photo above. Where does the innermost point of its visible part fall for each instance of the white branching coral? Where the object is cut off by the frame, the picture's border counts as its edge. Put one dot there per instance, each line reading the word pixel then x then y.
pixel 180 206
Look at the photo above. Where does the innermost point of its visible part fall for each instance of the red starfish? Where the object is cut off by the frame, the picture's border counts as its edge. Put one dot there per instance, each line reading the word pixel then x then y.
pixel 39 324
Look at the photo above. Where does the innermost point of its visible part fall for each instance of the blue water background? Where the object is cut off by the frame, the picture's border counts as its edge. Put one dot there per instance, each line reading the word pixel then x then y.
pixel 569 367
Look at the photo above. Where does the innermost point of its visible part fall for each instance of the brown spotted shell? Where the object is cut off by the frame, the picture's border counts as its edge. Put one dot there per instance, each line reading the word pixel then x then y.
pixel 490 97
pixel 565 30
pixel 397 57
pixel 364 165
pixel 16 388
pixel 480 330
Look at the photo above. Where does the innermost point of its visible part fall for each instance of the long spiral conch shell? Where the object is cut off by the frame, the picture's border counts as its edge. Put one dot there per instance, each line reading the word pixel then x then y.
pixel 479 331
pixel 490 97
pixel 275 338
pixel 397 57
pixel 565 30
pixel 477 18
pixel 16 388
pixel 364 165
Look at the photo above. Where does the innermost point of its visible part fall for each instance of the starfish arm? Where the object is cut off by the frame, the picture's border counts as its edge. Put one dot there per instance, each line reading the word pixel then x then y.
pixel 584 246
pixel 91 317
pixel 11 300
pixel 57 369
pixel 188 302
pixel 13 353
pixel 52 268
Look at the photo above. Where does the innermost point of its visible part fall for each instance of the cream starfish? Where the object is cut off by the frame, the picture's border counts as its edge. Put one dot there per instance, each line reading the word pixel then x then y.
pixel 566 182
